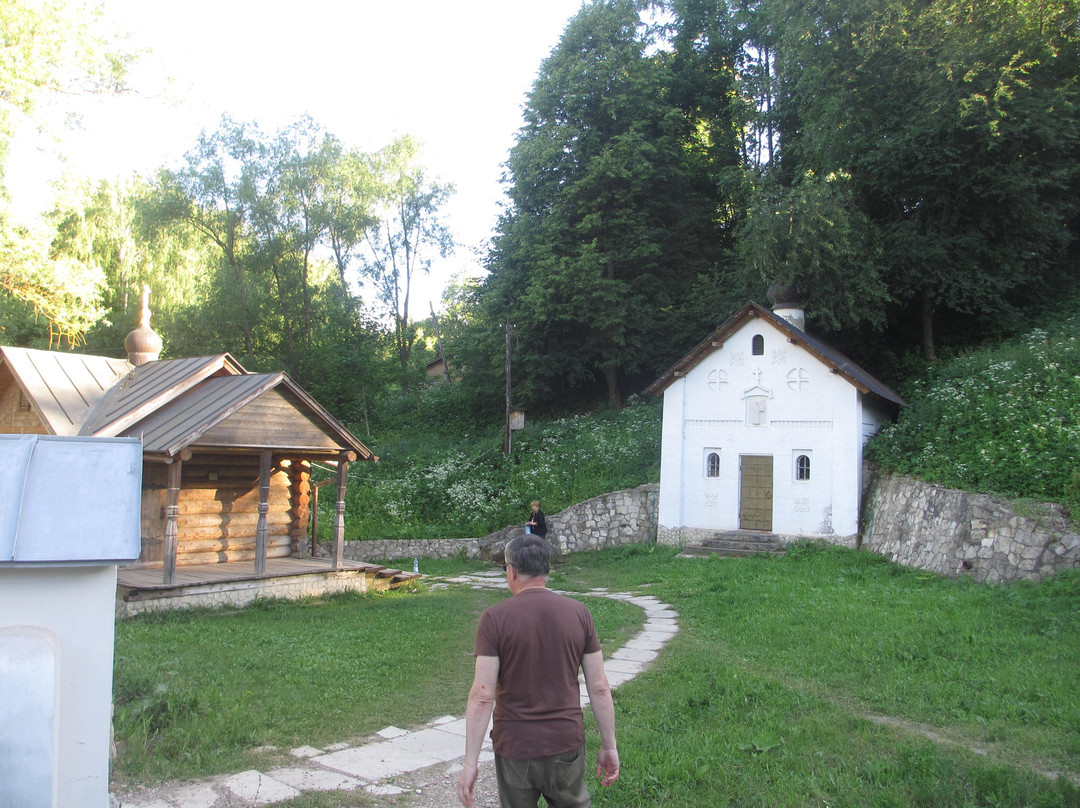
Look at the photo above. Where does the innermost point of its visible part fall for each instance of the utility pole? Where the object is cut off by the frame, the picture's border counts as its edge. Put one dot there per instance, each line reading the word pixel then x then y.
pixel 506 434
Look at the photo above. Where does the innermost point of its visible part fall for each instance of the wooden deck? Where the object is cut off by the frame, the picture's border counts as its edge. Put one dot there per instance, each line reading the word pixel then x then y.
pixel 235 583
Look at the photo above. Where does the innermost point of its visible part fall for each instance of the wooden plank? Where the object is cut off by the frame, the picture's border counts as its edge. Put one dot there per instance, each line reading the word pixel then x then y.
pixel 230 543
pixel 233 521
pixel 339 520
pixel 275 420
pixel 234 556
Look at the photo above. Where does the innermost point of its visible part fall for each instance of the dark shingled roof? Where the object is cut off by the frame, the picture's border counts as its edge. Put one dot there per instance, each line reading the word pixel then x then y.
pixel 822 350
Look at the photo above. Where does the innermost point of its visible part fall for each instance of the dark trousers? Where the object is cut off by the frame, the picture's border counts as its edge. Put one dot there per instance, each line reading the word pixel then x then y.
pixel 560 778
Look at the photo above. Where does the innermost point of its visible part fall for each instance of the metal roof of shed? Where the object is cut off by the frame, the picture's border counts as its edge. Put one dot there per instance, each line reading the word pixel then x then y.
pixel 196 418
pixel 63 387
pixel 175 404
pixel 150 386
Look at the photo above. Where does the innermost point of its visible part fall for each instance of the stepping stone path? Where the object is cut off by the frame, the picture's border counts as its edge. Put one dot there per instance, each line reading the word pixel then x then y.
pixel 393 752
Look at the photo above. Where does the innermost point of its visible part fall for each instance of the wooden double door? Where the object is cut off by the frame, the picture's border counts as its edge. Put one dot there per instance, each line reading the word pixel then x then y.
pixel 755 492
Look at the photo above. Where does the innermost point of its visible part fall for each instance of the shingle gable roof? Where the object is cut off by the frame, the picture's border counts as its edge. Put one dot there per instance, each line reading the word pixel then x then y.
pixel 831 357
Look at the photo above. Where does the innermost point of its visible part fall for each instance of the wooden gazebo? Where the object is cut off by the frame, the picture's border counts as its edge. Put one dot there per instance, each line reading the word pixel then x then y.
pixel 227 454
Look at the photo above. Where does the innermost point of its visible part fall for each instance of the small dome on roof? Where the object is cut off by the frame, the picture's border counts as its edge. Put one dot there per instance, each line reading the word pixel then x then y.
pixel 143 344
pixel 784 295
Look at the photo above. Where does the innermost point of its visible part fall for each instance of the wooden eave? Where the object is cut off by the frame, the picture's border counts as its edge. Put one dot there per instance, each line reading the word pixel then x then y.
pixel 825 353
pixel 150 387
pixel 187 421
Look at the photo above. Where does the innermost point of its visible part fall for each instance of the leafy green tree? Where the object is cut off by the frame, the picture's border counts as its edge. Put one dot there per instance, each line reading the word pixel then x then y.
pixel 109 227
pixel 812 235
pixel 404 239
pixel 284 213
pixel 958 126
pixel 613 216
pixel 207 196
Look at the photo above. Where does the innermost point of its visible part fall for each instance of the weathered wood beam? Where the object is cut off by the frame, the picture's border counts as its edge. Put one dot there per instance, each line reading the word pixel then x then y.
pixel 172 516
pixel 264 508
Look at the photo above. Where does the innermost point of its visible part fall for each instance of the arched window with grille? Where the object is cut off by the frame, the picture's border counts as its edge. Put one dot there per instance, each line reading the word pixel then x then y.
pixel 757 345
pixel 802 467
pixel 712 464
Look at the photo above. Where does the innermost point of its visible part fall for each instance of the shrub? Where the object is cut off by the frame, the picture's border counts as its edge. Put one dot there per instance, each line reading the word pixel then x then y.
pixel 435 482
pixel 1005 421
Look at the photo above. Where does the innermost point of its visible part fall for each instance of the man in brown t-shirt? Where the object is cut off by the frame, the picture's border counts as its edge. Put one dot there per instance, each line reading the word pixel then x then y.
pixel 528 652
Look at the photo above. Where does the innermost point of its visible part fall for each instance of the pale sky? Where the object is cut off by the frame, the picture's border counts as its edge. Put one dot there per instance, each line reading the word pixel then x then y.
pixel 454 75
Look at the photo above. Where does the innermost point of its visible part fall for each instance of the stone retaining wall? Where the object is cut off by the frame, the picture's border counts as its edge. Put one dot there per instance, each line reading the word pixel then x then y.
pixel 955 532
pixel 238 594
pixel 610 520
pixel 408 548
pixel 913 523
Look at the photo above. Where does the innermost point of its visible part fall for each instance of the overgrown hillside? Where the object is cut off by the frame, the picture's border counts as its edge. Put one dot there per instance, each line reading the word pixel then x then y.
pixel 443 475
pixel 1002 421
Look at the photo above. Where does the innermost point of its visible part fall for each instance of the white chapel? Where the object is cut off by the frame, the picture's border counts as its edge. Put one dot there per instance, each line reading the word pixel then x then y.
pixel 763 430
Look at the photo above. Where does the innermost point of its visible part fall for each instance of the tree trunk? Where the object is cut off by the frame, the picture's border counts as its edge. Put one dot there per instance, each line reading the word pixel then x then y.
pixel 611 377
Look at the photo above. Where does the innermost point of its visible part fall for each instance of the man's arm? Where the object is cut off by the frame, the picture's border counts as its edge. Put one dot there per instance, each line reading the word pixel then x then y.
pixel 477 715
pixel 603 707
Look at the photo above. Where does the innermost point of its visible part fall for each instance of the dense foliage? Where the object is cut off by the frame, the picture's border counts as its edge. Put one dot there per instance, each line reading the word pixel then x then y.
pixel 437 482
pixel 1003 420
pixel 605 261
pixel 957 128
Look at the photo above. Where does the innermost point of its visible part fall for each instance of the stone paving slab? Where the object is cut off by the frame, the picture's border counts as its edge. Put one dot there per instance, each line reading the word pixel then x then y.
pixel 377 761
pixel 197 795
pixel 662 625
pixel 630 666
pixel 304 778
pixel 634 654
pixel 442 745
pixel 456 726
pixel 656 636
pixel 258 788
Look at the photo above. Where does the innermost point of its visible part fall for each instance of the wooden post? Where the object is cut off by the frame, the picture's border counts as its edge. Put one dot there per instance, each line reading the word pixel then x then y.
pixel 315 514
pixel 314 520
pixel 172 518
pixel 339 521
pixel 264 508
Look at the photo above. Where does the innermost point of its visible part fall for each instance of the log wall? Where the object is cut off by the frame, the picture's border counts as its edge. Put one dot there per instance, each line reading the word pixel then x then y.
pixel 17 417
pixel 219 510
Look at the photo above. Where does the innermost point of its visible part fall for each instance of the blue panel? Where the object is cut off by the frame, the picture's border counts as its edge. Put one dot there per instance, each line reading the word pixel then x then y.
pixel 69 500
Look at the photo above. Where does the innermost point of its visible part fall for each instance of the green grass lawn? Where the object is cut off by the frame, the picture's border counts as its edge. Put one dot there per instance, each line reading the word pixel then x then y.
pixel 827 677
